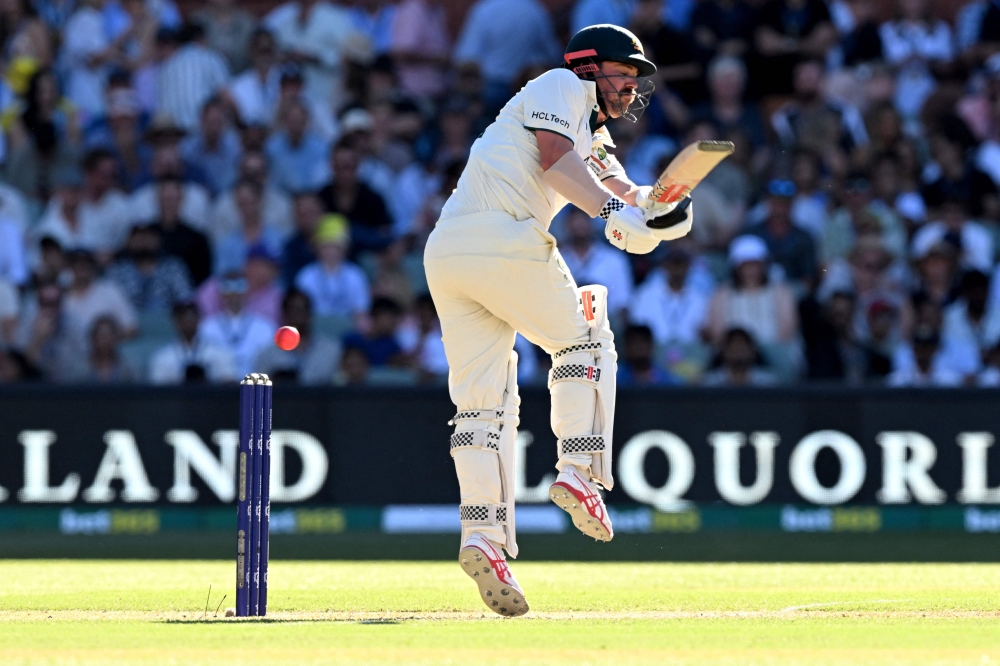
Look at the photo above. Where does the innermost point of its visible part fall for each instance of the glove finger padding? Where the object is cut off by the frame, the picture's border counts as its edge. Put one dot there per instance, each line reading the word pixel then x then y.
pixel 674 224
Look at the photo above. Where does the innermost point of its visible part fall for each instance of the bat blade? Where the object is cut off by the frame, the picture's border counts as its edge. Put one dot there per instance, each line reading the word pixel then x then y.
pixel 688 169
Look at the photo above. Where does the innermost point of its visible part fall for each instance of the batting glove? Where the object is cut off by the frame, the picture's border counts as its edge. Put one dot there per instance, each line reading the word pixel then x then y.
pixel 626 228
pixel 673 223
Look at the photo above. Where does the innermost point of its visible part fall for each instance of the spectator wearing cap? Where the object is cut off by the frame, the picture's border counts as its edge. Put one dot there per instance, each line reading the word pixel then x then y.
pixel 299 250
pixel 179 238
pixel 89 298
pixel 242 332
pixel 276 203
pixel 919 47
pixel 637 367
pixel 419 45
pixel 214 149
pixel 320 37
pixel 738 362
pixel 190 77
pixel 860 215
pixel 314 361
pixel 669 303
pixel 190 359
pixel 337 287
pixel 228 30
pixel 152 281
pixel 920 363
pixel 88 211
pixel 591 263
pixel 753 300
pixel 298 155
pixel 971 239
pixel 790 247
pixel 263 296
pixel 346 194
pixel 503 38
pixel 231 250
pixel 103 362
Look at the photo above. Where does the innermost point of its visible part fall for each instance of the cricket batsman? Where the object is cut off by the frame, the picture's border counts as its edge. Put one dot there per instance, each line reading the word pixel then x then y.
pixel 493 270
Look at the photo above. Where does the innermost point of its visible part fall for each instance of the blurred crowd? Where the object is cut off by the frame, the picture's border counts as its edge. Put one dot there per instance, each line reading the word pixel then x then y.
pixel 176 185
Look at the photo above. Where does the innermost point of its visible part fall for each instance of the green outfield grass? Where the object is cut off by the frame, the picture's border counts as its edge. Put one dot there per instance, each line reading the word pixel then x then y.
pixel 153 612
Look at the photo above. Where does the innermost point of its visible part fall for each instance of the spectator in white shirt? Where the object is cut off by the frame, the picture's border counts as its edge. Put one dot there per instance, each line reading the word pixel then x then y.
pixel 242 333
pixel 189 78
pixel 93 217
pixel 972 319
pixel 922 363
pixel 755 301
pixel 13 263
pixel 189 359
pixel 337 287
pixel 593 263
pixel 668 303
pixel 90 298
pixel 319 36
pixel 255 92
pixel 918 46
pixel 86 53
pixel 277 206
pixel 973 239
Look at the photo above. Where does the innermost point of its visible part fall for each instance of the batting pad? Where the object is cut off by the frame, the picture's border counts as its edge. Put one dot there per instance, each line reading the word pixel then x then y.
pixel 582 383
pixel 484 447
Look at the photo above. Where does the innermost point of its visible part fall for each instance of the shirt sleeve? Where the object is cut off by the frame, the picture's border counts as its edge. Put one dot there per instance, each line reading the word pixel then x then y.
pixel 553 103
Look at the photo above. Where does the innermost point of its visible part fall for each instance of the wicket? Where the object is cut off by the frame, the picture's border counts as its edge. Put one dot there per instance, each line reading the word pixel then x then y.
pixel 253 494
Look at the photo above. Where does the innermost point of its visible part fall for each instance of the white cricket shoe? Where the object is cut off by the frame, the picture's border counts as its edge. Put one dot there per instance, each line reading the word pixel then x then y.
pixel 487 566
pixel 579 498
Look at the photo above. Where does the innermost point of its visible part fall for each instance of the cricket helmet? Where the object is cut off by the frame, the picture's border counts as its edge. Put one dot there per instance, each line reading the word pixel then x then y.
pixel 606 42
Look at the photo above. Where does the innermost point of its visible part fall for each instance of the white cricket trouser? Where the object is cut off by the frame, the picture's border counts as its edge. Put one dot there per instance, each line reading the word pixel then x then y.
pixel 491 276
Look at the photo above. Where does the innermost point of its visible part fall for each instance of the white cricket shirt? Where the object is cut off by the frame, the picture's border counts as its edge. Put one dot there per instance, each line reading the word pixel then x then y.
pixel 504 172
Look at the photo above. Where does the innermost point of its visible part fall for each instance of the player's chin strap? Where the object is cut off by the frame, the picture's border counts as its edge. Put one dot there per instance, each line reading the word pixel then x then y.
pixel 593 364
pixel 484 447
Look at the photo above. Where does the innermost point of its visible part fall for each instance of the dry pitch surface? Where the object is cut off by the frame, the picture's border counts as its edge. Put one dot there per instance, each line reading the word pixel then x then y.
pixel 139 612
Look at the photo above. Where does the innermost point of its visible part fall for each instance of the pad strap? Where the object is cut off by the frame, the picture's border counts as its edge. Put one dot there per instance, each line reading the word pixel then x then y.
pixel 588 444
pixel 587 346
pixel 483 414
pixel 482 514
pixel 589 374
pixel 483 439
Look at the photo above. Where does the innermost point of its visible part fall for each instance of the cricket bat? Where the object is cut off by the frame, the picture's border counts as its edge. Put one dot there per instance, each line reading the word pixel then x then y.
pixel 688 169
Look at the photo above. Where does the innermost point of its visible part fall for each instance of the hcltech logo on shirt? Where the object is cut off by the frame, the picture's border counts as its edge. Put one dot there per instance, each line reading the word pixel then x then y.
pixel 550 117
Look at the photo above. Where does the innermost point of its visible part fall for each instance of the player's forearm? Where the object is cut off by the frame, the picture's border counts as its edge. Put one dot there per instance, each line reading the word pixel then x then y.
pixel 574 180
pixel 622 188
